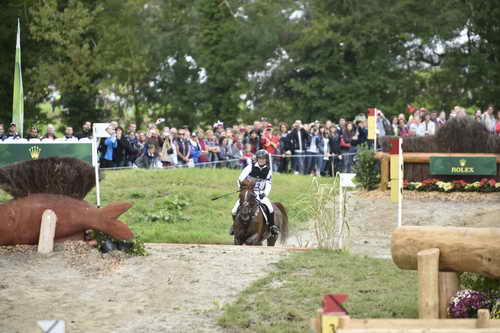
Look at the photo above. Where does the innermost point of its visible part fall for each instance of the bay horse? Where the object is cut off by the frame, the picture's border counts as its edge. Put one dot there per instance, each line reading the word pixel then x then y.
pixel 250 227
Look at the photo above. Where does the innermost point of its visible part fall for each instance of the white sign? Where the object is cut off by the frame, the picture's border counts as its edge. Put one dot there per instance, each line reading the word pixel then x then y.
pixel 346 179
pixel 52 326
pixel 100 130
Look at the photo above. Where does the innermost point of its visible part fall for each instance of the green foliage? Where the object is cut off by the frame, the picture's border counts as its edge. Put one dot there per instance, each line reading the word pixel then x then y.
pixel 133 246
pixel 168 210
pixel 195 61
pixel 366 168
pixel 478 282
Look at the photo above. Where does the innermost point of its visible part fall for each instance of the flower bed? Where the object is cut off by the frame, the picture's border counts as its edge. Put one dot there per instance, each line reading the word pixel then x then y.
pixel 433 184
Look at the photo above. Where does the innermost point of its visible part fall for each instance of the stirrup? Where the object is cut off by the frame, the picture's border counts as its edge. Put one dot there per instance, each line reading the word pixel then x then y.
pixel 274 229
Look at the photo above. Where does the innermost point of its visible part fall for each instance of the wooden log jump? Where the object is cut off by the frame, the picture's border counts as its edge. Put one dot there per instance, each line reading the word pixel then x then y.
pixel 461 249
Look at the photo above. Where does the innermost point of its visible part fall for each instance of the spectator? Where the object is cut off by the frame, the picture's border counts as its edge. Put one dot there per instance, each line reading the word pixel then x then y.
pixel 402 128
pixel 183 148
pixel 202 142
pixel 441 120
pixel 488 119
pixel 335 161
pixel 284 148
pixel 497 126
pixel 50 134
pixel 213 148
pixel 2 132
pixel 322 144
pixel 150 159
pixel 132 128
pixel 346 147
pixel 33 134
pixel 86 131
pixel 13 134
pixel 312 152
pixel 122 149
pixel 107 147
pixel 68 134
pixel 134 148
pixel 395 125
pixel 427 127
pixel 254 139
pixel 247 157
pixel 299 140
pixel 195 148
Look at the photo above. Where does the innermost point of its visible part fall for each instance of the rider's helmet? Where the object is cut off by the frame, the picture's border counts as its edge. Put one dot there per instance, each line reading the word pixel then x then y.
pixel 262 153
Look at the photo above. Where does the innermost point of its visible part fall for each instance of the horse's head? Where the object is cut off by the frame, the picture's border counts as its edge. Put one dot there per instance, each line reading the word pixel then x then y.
pixel 248 199
pixel 248 184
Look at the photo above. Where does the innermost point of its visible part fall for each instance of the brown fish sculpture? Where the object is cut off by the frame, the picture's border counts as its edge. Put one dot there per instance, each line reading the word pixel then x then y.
pixel 58 184
pixel 21 219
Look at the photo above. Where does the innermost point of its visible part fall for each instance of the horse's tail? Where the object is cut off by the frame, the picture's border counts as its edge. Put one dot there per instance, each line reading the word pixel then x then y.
pixel 284 222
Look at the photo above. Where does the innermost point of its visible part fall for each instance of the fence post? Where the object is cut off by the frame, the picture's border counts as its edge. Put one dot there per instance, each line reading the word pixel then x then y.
pixel 47 232
pixel 448 287
pixel 428 287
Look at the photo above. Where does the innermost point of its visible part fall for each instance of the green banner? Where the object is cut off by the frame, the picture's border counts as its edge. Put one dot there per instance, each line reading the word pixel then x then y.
pixel 17 152
pixel 463 165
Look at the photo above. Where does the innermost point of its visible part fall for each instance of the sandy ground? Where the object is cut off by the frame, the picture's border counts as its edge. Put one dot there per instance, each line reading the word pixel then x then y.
pixel 175 289
pixel 372 217
pixel 181 288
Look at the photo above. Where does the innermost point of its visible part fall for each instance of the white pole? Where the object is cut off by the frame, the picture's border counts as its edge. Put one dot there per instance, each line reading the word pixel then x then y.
pixel 375 137
pixel 95 161
pixel 341 216
pixel 400 182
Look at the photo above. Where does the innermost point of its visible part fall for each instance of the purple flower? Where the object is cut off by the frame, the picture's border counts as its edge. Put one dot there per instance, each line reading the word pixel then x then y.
pixel 466 303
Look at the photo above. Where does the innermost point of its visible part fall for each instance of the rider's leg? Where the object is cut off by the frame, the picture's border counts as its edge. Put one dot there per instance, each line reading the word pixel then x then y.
pixel 272 227
pixel 233 213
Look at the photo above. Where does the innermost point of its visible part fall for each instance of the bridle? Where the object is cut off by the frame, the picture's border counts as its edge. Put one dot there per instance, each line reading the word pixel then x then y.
pixel 247 209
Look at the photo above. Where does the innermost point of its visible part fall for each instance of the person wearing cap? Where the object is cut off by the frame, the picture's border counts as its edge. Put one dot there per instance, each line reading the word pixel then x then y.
pixel 261 171
pixel 2 132
pixel 12 134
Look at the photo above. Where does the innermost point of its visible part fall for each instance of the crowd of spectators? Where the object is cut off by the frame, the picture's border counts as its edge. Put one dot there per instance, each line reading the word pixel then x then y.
pixel 302 148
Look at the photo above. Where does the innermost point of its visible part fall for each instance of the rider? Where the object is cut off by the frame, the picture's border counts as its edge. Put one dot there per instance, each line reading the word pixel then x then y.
pixel 263 174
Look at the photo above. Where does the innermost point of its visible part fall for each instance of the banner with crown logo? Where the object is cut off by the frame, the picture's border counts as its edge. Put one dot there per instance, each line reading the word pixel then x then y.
pixel 17 152
pixel 463 165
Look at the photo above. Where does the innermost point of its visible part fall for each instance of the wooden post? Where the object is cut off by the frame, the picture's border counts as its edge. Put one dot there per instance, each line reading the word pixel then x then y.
pixel 47 232
pixel 428 290
pixel 448 287
pixel 483 318
pixel 384 171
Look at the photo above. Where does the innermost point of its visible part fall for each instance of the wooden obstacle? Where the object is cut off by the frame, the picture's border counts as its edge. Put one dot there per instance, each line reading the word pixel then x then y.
pixel 438 254
pixel 324 323
pixel 47 232
pixel 417 165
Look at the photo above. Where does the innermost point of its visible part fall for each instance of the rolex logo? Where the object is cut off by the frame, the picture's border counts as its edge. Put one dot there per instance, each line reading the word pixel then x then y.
pixel 35 152
pixel 462 162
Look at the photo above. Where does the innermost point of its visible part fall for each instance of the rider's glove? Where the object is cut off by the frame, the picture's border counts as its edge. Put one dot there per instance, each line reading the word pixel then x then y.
pixel 261 196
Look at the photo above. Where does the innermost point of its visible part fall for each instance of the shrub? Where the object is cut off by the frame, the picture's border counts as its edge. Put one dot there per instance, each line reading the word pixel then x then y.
pixel 366 168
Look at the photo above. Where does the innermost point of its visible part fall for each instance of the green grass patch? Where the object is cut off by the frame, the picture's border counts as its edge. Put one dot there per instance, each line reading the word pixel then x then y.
pixel 175 205
pixel 288 298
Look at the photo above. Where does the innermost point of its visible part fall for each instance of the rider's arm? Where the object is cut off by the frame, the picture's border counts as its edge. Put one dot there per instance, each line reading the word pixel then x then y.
pixel 269 179
pixel 244 174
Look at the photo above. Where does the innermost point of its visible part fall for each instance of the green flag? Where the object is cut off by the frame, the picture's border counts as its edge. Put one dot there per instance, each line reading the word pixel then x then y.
pixel 18 98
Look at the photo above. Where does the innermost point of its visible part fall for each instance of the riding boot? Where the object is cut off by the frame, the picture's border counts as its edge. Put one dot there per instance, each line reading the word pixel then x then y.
pixel 272 227
pixel 231 230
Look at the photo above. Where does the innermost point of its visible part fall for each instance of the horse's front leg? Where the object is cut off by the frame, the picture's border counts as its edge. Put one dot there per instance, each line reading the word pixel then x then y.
pixel 254 240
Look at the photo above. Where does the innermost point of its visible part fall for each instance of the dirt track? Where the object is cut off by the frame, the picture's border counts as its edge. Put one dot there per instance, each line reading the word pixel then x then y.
pixel 181 288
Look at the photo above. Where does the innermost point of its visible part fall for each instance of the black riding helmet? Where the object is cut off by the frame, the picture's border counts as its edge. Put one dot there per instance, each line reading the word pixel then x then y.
pixel 262 153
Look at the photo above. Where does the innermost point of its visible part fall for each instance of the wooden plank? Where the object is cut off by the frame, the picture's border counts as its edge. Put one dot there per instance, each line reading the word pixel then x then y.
pixel 448 287
pixel 411 323
pixel 428 287
pixel 384 172
pixel 47 232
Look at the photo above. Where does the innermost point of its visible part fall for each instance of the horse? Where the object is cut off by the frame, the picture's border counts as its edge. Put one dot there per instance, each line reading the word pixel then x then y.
pixel 250 227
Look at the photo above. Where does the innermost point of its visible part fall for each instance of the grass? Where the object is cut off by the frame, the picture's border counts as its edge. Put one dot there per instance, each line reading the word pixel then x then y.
pixel 287 299
pixel 175 205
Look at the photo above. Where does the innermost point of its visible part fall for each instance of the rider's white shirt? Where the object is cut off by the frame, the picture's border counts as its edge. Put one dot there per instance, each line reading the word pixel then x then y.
pixel 262 186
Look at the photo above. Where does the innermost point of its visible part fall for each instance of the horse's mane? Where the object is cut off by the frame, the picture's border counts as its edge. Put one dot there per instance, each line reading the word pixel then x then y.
pixel 248 183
